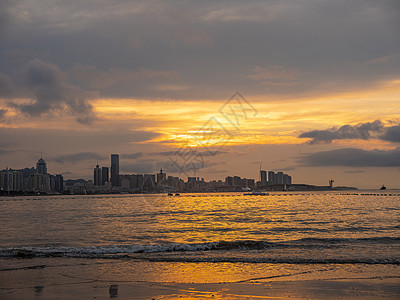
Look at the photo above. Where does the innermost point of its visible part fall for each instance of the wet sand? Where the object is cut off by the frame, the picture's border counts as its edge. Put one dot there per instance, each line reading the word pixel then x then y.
pixel 58 278
pixel 312 289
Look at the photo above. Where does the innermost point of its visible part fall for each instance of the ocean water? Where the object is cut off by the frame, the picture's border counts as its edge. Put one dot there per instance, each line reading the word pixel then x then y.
pixel 206 237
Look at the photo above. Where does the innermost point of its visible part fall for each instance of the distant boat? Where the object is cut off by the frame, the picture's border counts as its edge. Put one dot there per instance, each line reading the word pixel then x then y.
pixel 170 194
pixel 383 187
pixel 256 193
pixel 177 194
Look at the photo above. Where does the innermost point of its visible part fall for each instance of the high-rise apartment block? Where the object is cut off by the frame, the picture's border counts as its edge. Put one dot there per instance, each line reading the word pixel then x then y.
pixel 115 170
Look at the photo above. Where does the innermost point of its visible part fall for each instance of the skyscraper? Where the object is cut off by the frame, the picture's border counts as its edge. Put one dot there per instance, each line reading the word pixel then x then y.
pixel 97 175
pixel 161 178
pixel 59 183
pixel 104 175
pixel 263 176
pixel 41 166
pixel 115 169
pixel 271 177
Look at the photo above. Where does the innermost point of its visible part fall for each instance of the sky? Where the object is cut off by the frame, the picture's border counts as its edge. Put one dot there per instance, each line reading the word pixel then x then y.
pixel 203 88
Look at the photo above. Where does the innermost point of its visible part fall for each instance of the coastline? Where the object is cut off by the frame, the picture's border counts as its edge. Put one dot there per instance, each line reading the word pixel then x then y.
pixel 63 278
pixel 386 288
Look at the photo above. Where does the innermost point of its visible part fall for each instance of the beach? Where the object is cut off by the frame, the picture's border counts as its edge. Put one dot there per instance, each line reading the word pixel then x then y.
pixel 92 279
pixel 200 246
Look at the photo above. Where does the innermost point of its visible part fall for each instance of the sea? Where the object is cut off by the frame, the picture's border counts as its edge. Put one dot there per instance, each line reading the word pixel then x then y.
pixel 200 237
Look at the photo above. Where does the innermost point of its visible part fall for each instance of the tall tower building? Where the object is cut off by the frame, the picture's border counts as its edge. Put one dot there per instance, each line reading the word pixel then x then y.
pixel 115 169
pixel 161 178
pixel 271 177
pixel 59 183
pixel 104 175
pixel 97 175
pixel 263 176
pixel 41 166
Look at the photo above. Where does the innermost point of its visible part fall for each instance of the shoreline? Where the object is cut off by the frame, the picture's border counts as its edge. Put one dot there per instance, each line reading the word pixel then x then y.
pixel 63 278
pixel 386 288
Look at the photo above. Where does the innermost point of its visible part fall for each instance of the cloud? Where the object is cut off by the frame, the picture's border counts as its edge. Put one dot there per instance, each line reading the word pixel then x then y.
pixel 191 152
pixel 2 151
pixel 210 46
pixel 47 85
pixel 2 113
pixel 6 85
pixel 78 157
pixel 138 168
pixel 352 157
pixel 275 75
pixel 131 155
pixel 354 171
pixel 362 131
pixel 392 134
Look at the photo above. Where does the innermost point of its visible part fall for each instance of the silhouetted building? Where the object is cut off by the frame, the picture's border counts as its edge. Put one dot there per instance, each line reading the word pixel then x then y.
pixel 39 182
pixel 161 178
pixel 59 183
pixel 97 175
pixel 41 166
pixel 263 176
pixel 278 178
pixel 18 180
pixel 149 182
pixel 229 181
pixel 115 169
pixel 271 177
pixel 7 180
pixel 104 175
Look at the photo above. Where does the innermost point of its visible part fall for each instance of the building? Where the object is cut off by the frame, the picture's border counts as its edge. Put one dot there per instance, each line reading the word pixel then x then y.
pixel 149 182
pixel 17 180
pixel 229 181
pixel 41 166
pixel 59 183
pixel 263 176
pixel 97 176
pixel 39 182
pixel 161 178
pixel 7 180
pixel 115 170
pixel 104 175
pixel 271 178
pixel 278 178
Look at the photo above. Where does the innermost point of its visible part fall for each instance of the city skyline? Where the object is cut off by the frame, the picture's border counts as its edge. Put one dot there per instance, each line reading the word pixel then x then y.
pixel 306 87
pixel 100 175
pixel 40 180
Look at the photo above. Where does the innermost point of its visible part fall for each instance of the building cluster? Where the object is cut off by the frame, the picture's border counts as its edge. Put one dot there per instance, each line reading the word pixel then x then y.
pixel 109 180
pixel 278 178
pixel 35 180
pixel 160 182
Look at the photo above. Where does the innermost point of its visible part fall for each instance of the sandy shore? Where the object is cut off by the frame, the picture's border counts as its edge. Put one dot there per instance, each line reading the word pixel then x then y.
pixel 62 278
pixel 312 289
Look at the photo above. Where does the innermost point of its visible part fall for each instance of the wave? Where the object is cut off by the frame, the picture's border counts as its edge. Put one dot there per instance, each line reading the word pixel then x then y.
pixel 165 251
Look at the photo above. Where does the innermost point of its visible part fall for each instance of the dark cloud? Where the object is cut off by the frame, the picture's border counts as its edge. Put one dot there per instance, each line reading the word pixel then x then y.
pixel 4 151
pixel 362 131
pixel 78 157
pixel 354 171
pixel 351 157
pixel 50 91
pixel 6 86
pixel 168 166
pixel 2 113
pixel 392 134
pixel 131 155
pixel 208 48
pixel 137 168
